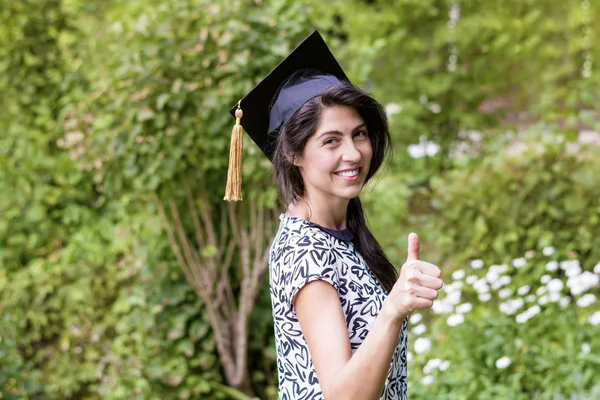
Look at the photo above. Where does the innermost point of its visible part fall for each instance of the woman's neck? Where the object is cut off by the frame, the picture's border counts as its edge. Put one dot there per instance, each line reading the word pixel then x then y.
pixel 327 214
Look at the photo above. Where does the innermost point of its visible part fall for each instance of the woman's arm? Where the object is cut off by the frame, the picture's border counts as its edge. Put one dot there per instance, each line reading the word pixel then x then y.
pixel 341 376
pixel 320 314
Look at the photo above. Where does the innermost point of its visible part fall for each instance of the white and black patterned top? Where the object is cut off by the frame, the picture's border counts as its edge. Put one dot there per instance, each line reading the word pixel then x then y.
pixel 301 253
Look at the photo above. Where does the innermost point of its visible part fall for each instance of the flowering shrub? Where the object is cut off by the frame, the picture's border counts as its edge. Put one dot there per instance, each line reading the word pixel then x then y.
pixel 527 329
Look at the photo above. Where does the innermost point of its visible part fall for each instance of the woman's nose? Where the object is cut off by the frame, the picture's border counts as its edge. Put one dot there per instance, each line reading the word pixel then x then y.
pixel 350 153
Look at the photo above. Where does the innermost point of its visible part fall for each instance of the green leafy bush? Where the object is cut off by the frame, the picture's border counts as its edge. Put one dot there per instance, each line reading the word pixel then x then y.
pixel 523 330
pixel 539 191
pixel 518 317
pixel 107 102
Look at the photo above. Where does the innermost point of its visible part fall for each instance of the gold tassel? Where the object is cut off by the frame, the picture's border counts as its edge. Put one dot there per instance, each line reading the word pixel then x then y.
pixel 233 190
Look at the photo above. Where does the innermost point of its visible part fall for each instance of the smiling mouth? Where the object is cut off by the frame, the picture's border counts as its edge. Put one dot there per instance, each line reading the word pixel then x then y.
pixel 348 173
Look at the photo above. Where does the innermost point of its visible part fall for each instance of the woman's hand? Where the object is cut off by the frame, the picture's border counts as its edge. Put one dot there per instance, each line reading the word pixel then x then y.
pixel 417 286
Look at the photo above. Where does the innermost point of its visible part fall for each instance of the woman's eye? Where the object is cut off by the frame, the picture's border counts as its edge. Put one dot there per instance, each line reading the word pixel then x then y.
pixel 361 134
pixel 330 141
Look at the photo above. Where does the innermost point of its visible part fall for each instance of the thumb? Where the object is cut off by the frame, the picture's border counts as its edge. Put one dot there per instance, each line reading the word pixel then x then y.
pixel 413 247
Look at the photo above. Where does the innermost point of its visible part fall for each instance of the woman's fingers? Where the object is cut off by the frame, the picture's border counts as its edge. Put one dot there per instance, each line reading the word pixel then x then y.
pixel 426 293
pixel 428 268
pixel 421 303
pixel 429 281
pixel 418 284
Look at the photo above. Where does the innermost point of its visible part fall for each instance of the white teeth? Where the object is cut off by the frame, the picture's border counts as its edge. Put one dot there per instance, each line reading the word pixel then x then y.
pixel 348 173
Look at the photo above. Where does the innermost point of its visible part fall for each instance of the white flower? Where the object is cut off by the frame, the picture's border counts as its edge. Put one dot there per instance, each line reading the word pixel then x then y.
pixel 548 251
pixel 534 310
pixel 423 148
pixel 435 362
pixel 422 345
pixel 523 290
pixel 498 269
pixel 409 356
pixel 541 290
pixel 505 308
pixel 458 274
pixel 597 268
pixel 504 293
pixel 392 108
pixel 528 314
pixel 419 329
pixel 427 380
pixel 453 298
pixel 551 266
pixel 519 262
pixel 543 300
pixel 564 302
pixel 571 268
pixel 471 279
pixel 431 365
pixel 503 280
pixel 586 300
pixel 545 279
pixel 476 264
pixel 517 303
pixel 585 348
pixel 416 318
pixel 573 271
pixel 594 319
pixel 511 306
pixel 565 265
pixel 481 286
pixel 483 297
pixel 435 108
pixel 492 276
pixel 442 307
pixel 522 318
pixel 455 319
pixel 444 365
pixel 530 298
pixel 554 297
pixel 455 286
pixel 529 254
pixel 555 286
pixel 580 283
pixel 464 308
pixel 502 362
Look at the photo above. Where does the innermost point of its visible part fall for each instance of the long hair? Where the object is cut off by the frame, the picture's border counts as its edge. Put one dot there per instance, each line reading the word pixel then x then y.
pixel 293 138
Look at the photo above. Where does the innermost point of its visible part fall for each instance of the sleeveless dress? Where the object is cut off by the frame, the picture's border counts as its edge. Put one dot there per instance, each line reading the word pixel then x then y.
pixel 303 252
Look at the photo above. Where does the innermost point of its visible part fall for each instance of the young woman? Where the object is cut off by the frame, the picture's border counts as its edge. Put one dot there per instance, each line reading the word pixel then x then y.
pixel 340 311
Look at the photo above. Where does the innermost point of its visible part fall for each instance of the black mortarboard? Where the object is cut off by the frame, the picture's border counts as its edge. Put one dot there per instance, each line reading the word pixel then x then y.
pixel 302 75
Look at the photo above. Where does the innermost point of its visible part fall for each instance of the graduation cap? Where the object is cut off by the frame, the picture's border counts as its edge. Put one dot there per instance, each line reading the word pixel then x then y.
pixel 305 73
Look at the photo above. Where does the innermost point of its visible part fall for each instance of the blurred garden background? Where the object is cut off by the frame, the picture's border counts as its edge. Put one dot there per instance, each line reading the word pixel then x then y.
pixel 123 274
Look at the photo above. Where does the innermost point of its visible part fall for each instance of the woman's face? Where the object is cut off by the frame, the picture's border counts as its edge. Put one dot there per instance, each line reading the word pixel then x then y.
pixel 336 158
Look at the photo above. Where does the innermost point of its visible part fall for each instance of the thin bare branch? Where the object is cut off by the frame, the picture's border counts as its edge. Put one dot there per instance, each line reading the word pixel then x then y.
pixel 194 269
pixel 170 235
pixel 223 231
pixel 233 222
pixel 195 219
pixel 206 212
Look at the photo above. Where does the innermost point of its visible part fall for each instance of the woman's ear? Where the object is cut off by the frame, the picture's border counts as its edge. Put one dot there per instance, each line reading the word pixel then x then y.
pixel 294 159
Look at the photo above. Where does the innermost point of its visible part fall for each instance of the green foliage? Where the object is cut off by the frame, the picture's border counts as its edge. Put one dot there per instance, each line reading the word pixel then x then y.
pixel 533 205
pixel 103 314
pixel 551 355
pixel 452 67
pixel 536 193
pixel 159 107
pixel 106 103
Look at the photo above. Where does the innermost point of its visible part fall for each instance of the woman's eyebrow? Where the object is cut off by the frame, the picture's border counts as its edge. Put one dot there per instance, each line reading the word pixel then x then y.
pixel 336 132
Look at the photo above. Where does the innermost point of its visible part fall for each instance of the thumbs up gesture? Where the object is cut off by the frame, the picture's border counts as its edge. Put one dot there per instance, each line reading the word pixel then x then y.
pixel 418 284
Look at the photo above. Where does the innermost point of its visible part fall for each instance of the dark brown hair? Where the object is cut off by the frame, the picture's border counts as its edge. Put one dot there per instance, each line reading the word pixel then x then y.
pixel 293 138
